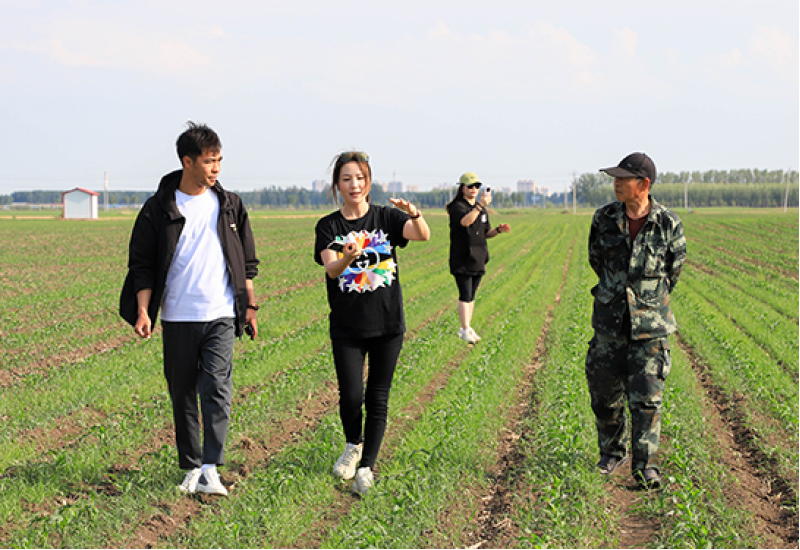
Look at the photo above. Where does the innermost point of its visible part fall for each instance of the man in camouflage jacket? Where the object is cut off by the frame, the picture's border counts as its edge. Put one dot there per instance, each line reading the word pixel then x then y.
pixel 637 248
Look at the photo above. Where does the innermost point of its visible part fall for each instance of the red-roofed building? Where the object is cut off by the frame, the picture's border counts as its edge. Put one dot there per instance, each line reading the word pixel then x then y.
pixel 80 203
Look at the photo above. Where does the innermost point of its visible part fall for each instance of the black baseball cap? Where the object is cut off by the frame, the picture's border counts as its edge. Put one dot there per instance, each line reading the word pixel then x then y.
pixel 635 165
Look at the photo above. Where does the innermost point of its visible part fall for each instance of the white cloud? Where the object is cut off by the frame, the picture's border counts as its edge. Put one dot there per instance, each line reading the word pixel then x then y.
pixel 733 58
pixel 627 41
pixel 79 43
pixel 494 64
pixel 778 50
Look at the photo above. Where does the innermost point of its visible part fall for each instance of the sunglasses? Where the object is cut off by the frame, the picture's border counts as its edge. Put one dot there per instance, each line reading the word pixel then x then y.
pixel 352 155
pixel 474 186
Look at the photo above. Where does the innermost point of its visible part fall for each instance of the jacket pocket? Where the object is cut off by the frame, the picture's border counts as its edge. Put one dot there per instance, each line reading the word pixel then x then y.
pixel 654 261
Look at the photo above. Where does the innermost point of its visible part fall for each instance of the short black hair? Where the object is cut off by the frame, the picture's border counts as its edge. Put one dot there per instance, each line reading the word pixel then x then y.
pixel 195 140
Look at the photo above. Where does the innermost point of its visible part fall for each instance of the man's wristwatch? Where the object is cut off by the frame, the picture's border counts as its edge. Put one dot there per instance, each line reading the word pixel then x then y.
pixel 254 307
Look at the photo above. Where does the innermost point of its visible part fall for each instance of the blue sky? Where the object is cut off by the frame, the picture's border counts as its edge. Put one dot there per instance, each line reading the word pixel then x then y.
pixel 430 89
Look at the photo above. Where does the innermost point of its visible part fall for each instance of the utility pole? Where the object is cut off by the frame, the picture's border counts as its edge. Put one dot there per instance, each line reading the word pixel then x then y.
pixel 105 198
pixel 786 197
pixel 686 192
pixel 574 195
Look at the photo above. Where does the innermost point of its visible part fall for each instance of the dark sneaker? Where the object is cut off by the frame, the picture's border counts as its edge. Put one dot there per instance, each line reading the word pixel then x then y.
pixel 609 463
pixel 647 478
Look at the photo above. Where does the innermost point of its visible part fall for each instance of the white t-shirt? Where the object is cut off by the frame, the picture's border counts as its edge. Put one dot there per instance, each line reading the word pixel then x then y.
pixel 198 285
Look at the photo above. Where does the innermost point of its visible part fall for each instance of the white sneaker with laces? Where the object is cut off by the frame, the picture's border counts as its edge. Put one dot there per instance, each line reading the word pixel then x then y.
pixel 189 484
pixel 363 482
pixel 345 467
pixel 461 333
pixel 210 484
pixel 474 334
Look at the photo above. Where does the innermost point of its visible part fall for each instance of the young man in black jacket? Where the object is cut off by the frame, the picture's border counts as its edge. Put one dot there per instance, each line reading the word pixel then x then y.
pixel 192 255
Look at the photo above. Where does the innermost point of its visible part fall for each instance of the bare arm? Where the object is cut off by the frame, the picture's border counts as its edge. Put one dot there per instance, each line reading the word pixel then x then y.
pixel 416 228
pixel 480 207
pixel 143 325
pixel 250 315
pixel 334 265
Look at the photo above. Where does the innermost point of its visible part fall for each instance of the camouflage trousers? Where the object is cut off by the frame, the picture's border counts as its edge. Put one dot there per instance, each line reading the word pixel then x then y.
pixel 619 369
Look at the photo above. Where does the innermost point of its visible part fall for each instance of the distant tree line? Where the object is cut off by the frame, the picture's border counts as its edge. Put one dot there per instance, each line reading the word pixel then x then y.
pixel 759 195
pixel 753 188
pixel 54 197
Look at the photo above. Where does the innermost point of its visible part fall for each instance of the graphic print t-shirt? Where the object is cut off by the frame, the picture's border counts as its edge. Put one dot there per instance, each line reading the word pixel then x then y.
pixel 366 300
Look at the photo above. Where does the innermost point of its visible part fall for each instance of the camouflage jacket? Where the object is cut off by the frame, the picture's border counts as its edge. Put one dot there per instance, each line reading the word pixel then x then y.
pixel 637 280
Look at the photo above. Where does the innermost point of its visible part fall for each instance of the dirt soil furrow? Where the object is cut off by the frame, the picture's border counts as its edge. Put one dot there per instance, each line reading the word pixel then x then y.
pixel 494 527
pixel 258 453
pixel 760 488
pixel 175 517
pixel 320 531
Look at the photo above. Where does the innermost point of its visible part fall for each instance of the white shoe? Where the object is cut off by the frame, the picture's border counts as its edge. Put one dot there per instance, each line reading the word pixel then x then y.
pixel 189 484
pixel 345 467
pixel 474 334
pixel 469 337
pixel 210 484
pixel 363 482
pixel 461 333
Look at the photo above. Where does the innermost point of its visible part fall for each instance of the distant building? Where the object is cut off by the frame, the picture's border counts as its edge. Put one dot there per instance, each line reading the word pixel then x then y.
pixel 544 191
pixel 319 185
pixel 79 203
pixel 526 186
pixel 413 189
pixel 395 187
pixel 383 185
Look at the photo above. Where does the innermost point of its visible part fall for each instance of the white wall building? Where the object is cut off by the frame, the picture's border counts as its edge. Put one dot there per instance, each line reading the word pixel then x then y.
pixel 80 203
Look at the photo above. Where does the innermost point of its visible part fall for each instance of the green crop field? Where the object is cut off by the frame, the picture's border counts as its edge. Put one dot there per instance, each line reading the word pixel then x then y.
pixel 491 445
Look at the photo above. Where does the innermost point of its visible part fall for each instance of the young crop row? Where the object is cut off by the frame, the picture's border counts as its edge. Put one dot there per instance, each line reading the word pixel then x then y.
pixel 768 287
pixel 87 457
pixel 558 497
pixel 749 243
pixel 742 327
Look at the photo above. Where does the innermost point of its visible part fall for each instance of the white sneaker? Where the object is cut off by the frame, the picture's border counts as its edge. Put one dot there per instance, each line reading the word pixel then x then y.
pixel 363 482
pixel 345 467
pixel 209 483
pixel 461 333
pixel 189 484
pixel 469 336
pixel 474 334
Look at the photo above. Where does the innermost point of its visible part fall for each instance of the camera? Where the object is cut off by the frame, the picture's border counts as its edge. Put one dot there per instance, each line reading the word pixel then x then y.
pixel 488 189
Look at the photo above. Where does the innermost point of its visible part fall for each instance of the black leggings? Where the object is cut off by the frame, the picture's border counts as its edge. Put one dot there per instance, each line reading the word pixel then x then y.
pixel 467 287
pixel 349 355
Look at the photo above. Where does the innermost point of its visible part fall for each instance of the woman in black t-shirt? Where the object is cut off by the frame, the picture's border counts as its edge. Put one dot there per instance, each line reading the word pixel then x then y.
pixel 469 254
pixel 358 244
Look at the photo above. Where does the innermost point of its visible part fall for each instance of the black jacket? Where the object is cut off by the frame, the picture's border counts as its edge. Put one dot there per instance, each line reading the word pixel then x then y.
pixel 469 252
pixel 155 237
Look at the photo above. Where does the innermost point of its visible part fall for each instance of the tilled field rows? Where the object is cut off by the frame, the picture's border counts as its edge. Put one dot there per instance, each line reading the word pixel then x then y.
pixel 489 445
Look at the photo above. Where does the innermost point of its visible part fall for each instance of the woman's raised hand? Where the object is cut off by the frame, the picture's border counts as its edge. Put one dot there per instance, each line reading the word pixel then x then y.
pixel 405 206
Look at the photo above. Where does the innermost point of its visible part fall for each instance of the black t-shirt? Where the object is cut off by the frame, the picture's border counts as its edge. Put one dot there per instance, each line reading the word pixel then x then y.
pixel 468 251
pixel 366 300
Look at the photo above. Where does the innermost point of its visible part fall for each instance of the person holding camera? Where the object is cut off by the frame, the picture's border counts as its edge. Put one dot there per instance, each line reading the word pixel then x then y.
pixel 357 244
pixel 192 258
pixel 469 253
